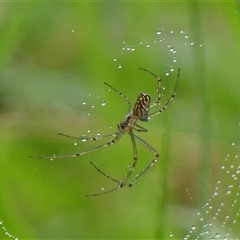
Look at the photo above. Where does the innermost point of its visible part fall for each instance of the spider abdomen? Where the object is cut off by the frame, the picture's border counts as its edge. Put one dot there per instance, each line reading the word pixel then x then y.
pixel 141 108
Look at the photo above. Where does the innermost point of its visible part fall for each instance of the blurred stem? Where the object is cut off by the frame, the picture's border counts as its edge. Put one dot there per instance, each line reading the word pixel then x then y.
pixel 204 108
pixel 162 197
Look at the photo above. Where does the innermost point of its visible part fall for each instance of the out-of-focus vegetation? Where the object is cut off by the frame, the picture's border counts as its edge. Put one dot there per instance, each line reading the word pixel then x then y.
pixel 53 56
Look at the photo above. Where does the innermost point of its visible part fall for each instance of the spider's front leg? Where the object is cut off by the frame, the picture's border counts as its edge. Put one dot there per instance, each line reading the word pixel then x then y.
pixel 78 154
pixel 84 138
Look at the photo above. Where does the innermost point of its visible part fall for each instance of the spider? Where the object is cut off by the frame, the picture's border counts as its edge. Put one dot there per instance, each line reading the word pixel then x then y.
pixel 140 112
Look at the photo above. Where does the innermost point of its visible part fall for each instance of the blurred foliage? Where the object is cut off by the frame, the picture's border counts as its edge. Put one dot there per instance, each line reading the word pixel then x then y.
pixel 55 55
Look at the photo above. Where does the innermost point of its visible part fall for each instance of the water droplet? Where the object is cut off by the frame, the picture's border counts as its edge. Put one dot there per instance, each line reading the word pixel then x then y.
pixel 102 188
pixel 159 31
pixel 84 102
pixel 88 130
pixel 73 30
pixel 191 43
pixel 83 138
pixel 75 143
pixel 185 36
pixel 167 73
pixel 171 31
pixel 103 103
pixel 174 59
pixel 170 234
pixel 114 59
pixel 132 48
pixel 193 227
pixel 147 44
pixel 119 66
pixel 181 31
pixel 1 222
pixel 93 106
pixel 123 48
pixel 88 114
pixel 128 48
pixel 98 133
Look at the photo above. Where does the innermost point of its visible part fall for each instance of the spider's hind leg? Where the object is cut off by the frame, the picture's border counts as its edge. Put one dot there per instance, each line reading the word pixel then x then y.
pixel 119 186
pixel 104 174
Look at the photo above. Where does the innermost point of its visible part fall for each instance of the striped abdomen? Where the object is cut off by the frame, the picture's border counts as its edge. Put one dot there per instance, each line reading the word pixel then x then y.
pixel 141 107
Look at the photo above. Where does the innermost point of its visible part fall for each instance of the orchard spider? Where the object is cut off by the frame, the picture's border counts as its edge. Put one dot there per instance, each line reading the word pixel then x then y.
pixel 139 112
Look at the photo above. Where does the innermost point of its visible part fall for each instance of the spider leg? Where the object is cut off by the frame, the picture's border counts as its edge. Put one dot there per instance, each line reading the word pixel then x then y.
pixel 120 185
pixel 139 128
pixel 169 100
pixel 95 138
pixel 152 150
pixel 119 135
pixel 104 174
pixel 157 101
pixel 135 157
pixel 121 95
pixel 111 190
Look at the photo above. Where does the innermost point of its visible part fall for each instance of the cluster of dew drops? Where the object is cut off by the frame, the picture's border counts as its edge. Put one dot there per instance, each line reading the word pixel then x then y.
pixel 6 231
pixel 159 32
pixel 228 203
pixel 85 103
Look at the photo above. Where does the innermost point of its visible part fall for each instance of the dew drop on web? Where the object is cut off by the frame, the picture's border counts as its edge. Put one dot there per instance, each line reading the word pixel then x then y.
pixel 83 138
pixel 158 32
pixel 103 103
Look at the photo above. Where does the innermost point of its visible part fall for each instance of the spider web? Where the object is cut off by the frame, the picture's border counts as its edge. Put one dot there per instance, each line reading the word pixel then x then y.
pixel 164 48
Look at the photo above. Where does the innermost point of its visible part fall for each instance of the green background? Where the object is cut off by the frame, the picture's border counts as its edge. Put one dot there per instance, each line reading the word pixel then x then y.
pixel 47 70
